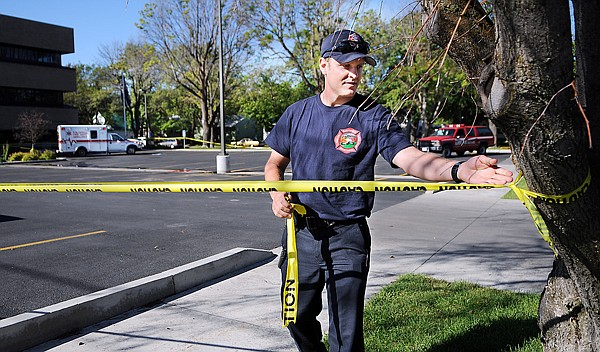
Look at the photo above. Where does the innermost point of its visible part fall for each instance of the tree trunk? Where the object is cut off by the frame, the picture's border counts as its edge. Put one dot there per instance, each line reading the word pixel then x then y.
pixel 136 118
pixel 205 126
pixel 588 70
pixel 562 319
pixel 522 65
pixel 424 130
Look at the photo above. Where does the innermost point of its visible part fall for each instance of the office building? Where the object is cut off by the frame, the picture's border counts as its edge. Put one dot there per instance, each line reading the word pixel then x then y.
pixel 32 78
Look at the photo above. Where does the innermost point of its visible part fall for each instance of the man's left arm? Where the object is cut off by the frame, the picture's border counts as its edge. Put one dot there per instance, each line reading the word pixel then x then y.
pixel 428 166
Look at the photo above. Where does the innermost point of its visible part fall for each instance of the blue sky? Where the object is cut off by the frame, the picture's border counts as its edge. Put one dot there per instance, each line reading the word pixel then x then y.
pixel 95 22
pixel 98 23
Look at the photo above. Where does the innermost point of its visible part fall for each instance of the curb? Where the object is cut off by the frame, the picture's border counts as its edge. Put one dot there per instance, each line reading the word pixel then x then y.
pixel 33 328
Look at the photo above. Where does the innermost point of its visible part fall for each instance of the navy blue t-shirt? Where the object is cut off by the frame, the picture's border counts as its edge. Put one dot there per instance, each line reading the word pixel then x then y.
pixel 336 143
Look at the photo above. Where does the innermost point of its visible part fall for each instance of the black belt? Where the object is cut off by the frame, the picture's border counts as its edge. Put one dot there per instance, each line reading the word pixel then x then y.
pixel 316 223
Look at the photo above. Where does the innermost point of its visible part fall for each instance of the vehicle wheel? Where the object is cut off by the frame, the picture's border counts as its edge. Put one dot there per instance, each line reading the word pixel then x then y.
pixel 446 151
pixel 482 149
pixel 130 150
pixel 81 152
pixel 172 146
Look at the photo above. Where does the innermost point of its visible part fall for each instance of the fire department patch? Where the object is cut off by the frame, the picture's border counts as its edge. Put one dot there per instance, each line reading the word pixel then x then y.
pixel 354 37
pixel 347 140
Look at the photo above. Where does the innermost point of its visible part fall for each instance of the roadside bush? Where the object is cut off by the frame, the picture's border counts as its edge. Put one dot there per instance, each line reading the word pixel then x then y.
pixel 33 154
pixel 47 155
pixel 18 156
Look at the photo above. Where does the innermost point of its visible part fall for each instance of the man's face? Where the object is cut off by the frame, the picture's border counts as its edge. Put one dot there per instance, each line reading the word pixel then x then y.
pixel 341 79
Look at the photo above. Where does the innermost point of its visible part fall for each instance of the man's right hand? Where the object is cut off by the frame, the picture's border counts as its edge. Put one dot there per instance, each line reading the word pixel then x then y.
pixel 274 170
pixel 281 206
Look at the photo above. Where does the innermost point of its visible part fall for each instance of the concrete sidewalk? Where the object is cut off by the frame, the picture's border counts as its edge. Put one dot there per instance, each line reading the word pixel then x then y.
pixel 471 235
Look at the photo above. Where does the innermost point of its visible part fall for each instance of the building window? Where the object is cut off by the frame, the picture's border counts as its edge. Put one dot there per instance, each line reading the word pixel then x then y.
pixel 28 55
pixel 30 97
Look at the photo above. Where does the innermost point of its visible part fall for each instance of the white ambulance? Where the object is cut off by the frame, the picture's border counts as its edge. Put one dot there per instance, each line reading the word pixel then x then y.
pixel 83 139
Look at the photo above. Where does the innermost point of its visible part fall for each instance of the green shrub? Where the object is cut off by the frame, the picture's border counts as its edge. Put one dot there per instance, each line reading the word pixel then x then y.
pixel 18 156
pixel 33 154
pixel 47 155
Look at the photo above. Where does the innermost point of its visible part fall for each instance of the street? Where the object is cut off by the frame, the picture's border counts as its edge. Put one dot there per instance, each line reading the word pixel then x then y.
pixel 57 246
pixel 124 236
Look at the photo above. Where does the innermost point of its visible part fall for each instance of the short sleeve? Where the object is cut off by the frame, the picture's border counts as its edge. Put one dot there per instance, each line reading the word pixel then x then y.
pixel 279 137
pixel 391 139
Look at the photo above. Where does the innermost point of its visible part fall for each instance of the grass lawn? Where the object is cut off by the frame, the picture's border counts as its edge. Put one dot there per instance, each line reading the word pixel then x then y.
pixel 418 313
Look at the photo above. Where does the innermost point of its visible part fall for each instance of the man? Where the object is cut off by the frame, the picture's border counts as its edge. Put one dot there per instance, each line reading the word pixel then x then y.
pixel 337 135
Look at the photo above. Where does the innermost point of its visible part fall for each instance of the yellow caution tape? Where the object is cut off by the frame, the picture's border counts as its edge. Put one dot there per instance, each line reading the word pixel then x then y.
pixel 539 222
pixel 525 196
pixel 281 186
pixel 240 186
pixel 198 140
pixel 289 299
pixel 558 199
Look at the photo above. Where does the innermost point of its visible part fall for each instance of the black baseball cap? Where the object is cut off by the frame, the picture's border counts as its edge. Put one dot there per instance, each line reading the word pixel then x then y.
pixel 345 46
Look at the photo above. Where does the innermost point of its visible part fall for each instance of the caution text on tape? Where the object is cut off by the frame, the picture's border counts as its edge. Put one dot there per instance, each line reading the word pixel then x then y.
pixel 241 186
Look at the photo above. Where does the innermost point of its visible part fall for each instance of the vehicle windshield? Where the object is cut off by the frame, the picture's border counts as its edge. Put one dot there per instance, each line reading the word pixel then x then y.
pixel 444 132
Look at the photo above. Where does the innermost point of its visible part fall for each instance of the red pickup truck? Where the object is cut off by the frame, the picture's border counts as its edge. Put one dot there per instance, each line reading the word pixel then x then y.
pixel 458 139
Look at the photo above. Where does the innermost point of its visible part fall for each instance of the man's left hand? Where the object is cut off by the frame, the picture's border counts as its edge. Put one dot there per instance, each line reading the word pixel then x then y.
pixel 483 169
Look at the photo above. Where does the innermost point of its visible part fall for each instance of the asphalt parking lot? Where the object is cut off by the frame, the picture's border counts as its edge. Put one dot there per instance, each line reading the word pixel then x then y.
pixel 122 237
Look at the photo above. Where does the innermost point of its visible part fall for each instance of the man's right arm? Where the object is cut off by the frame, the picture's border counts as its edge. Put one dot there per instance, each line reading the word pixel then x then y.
pixel 274 171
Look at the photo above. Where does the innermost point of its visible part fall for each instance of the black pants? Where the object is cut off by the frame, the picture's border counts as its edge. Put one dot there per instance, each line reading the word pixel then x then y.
pixel 336 257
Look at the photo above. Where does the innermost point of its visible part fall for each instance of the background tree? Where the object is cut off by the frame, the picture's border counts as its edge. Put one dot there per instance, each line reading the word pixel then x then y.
pixel 31 126
pixel 83 97
pixel 139 62
pixel 94 94
pixel 263 97
pixel 173 111
pixel 411 77
pixel 186 35
pixel 522 66
pixel 118 84
pixel 292 31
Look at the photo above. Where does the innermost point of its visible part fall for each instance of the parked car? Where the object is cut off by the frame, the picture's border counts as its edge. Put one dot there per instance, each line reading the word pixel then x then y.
pixel 459 139
pixel 247 142
pixel 144 141
pixel 168 143
pixel 141 144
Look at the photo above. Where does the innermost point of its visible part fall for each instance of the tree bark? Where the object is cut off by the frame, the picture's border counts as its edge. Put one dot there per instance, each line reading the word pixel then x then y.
pixel 562 319
pixel 587 51
pixel 522 65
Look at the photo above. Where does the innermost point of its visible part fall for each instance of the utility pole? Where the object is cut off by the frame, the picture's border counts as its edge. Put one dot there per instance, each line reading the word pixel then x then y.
pixel 125 94
pixel 223 158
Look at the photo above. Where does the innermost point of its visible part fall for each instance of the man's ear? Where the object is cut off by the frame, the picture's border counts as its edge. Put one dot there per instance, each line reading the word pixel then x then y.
pixel 323 65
